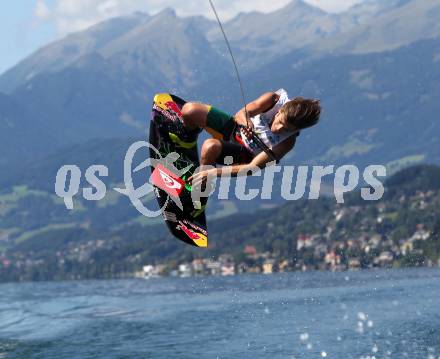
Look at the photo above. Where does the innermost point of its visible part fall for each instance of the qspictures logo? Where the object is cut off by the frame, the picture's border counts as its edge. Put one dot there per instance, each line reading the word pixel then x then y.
pixel 295 180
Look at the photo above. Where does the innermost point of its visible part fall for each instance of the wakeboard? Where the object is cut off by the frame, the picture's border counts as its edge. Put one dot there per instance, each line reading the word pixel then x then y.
pixel 169 135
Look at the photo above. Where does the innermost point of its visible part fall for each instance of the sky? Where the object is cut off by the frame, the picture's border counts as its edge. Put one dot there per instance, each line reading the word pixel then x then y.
pixel 26 25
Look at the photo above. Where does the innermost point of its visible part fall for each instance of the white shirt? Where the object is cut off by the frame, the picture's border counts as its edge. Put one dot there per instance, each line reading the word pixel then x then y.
pixel 262 124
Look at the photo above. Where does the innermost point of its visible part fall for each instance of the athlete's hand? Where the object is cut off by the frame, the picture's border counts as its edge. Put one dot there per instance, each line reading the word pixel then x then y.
pixel 199 179
pixel 248 132
pixel 240 119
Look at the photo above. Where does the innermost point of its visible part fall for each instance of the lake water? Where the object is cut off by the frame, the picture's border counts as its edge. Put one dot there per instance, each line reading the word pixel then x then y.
pixel 368 314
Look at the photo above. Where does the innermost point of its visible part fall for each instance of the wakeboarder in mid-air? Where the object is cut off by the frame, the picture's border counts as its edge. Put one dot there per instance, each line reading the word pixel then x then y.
pixel 259 134
pixel 264 130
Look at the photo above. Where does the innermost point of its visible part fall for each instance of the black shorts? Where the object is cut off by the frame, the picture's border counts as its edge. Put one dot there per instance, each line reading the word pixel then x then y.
pixel 239 153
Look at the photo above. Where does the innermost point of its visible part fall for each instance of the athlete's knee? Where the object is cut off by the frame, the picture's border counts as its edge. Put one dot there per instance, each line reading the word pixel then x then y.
pixel 211 147
pixel 189 109
pixel 192 111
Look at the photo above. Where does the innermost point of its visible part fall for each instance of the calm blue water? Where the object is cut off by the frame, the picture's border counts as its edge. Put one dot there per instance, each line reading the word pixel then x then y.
pixel 385 314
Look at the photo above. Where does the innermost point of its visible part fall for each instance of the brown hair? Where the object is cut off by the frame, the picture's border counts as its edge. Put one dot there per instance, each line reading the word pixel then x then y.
pixel 301 112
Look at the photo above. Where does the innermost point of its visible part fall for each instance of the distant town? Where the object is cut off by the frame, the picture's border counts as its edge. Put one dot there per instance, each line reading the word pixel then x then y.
pixel 374 252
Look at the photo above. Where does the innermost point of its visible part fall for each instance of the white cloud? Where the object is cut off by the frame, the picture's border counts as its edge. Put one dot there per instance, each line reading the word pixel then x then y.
pixel 41 11
pixel 108 7
pixel 74 15
pixel 74 7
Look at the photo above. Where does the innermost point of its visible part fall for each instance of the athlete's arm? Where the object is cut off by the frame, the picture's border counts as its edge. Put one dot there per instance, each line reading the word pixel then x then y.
pixel 262 159
pixel 264 103
pixel 259 161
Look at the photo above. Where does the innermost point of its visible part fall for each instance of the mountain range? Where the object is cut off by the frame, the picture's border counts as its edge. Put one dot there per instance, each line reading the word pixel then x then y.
pixel 374 67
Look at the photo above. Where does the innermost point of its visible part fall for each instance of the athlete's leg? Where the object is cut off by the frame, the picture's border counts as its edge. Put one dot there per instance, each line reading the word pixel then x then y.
pixel 211 151
pixel 218 123
pixel 195 114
